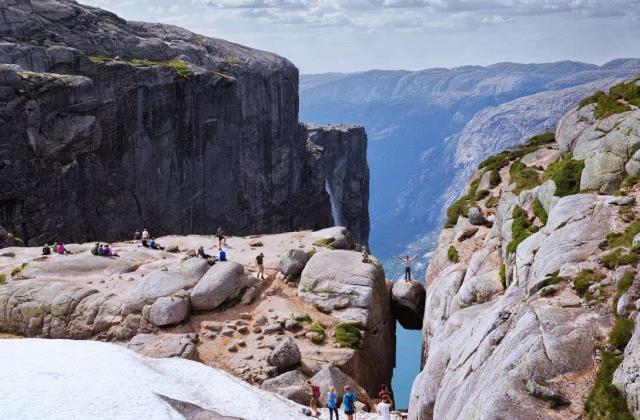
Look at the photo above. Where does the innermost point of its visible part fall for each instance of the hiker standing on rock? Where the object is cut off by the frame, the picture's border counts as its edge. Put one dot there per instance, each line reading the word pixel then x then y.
pixel 260 263
pixel 332 403
pixel 145 235
pixel 349 402
pixel 407 265
pixel 220 235
pixel 314 392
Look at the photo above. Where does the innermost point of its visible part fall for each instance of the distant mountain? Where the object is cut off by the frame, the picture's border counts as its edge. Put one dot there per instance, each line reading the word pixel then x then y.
pixel 428 129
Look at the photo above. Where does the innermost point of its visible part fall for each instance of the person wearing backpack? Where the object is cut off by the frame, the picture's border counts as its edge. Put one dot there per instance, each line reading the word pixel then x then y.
pixel 314 392
pixel 46 250
pixel 349 402
pixel 332 403
pixel 96 249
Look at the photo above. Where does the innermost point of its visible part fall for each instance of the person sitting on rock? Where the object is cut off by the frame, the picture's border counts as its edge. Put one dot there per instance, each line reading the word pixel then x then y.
pixel 145 243
pixel 365 255
pixel 137 235
pixel 108 252
pixel 145 234
pixel 314 393
pixel 95 250
pixel 46 250
pixel 61 249
pixel 349 402
pixel 202 254
pixel 155 245
pixel 222 255
pixel 260 263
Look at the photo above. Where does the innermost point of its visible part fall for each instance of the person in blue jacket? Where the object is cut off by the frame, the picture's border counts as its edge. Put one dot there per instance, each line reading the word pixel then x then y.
pixel 223 255
pixel 349 402
pixel 332 403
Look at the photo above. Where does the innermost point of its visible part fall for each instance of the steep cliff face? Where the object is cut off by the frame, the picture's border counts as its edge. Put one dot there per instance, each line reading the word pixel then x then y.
pixel 533 286
pixel 111 125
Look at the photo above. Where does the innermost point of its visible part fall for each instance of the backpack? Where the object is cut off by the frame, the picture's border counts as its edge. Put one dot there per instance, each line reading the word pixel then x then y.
pixel 315 389
pixel 94 250
pixel 306 412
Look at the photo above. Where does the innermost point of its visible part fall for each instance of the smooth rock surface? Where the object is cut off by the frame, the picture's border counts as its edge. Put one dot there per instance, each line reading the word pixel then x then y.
pixel 165 345
pixel 223 281
pixel 407 303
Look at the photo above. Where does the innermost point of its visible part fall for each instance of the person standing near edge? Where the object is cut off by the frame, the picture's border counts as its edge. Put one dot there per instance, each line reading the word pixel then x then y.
pixel 260 263
pixel 407 265
pixel 349 402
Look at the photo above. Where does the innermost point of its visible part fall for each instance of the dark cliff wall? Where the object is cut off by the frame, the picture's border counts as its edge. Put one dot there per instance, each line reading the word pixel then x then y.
pixel 102 134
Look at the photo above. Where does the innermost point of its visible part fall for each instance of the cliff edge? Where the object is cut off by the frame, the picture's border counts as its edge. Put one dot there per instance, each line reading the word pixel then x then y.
pixel 111 125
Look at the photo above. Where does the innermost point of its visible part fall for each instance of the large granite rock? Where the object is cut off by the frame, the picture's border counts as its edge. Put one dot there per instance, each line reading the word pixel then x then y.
pixel 407 303
pixel 293 262
pixel 84 90
pixel 605 145
pixel 168 310
pixel 290 385
pixel 222 282
pixel 53 309
pixel 166 282
pixel 336 237
pixel 338 281
pixel 627 377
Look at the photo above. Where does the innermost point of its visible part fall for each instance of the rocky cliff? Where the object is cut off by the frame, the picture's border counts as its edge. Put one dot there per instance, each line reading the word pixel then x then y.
pixel 429 129
pixel 111 125
pixel 532 290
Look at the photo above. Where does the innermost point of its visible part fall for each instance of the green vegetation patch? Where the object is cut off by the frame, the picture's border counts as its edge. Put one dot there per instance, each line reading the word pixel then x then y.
pixel 618 257
pixel 492 201
pixel 623 285
pixel 606 105
pixel 503 275
pixel 604 400
pixel 552 278
pixel 502 159
pixel 584 280
pixel 3 278
pixel 525 177
pixel 521 229
pixel 179 66
pixel 494 178
pixel 621 333
pixel 461 206
pixel 452 254
pixel 348 334
pixel 540 212
pixel 317 328
pixel 18 269
pixel 566 174
pixel 616 239
pixel 630 92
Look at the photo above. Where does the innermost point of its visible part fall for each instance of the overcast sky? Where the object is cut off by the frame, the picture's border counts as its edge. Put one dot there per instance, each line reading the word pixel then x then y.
pixel 351 35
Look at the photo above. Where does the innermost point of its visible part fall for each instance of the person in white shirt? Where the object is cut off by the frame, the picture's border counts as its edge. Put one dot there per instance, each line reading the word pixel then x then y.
pixel 407 266
pixel 145 234
pixel 384 408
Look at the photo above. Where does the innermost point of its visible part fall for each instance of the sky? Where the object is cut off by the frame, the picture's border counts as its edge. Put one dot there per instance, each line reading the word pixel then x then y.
pixel 353 35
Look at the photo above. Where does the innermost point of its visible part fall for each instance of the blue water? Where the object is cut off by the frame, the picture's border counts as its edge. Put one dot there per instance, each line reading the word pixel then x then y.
pixel 408 349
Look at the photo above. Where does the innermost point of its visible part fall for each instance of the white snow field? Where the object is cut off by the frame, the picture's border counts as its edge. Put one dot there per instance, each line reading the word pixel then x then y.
pixel 66 379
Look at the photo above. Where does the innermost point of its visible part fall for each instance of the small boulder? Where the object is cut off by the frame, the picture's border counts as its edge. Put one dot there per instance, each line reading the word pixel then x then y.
pixel 285 355
pixel 256 243
pixel 476 217
pixel 293 262
pixel 168 310
pixel 165 345
pixel 213 326
pixel 249 295
pixel 272 329
pixel 407 303
pixel 173 249
pixel 260 321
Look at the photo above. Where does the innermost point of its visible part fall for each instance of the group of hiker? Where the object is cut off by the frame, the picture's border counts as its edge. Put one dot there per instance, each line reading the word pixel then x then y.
pixel 147 240
pixel 56 248
pixel 103 250
pixel 349 399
